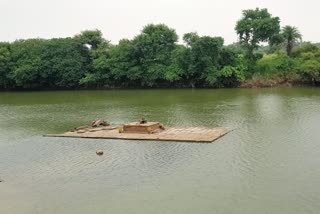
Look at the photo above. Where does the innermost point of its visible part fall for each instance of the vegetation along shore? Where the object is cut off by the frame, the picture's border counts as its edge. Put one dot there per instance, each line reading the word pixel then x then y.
pixel 267 54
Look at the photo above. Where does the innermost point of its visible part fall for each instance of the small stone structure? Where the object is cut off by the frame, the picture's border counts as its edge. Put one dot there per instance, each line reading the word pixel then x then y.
pixel 145 127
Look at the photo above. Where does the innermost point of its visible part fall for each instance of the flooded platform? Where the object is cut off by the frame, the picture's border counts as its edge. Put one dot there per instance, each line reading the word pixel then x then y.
pixel 205 135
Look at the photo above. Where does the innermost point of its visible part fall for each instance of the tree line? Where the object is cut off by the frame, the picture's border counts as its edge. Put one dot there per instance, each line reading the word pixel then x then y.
pixel 154 58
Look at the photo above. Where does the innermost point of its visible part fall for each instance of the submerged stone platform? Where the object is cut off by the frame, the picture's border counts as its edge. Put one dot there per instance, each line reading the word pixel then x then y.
pixel 205 135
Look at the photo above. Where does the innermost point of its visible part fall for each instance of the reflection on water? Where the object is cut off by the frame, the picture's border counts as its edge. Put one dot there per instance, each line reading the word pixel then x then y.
pixel 268 164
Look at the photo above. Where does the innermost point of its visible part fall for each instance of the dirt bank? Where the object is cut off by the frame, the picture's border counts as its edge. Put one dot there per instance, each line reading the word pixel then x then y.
pixel 267 83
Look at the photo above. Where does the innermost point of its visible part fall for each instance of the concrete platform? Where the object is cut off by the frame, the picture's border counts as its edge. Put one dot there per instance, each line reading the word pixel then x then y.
pixel 205 135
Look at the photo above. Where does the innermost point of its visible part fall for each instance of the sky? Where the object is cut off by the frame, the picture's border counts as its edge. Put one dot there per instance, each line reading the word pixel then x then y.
pixel 118 19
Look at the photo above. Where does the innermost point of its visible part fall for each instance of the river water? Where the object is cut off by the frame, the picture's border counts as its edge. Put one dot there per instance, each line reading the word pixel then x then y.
pixel 270 163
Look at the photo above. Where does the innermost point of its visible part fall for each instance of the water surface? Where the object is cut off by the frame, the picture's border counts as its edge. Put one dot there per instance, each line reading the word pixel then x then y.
pixel 268 164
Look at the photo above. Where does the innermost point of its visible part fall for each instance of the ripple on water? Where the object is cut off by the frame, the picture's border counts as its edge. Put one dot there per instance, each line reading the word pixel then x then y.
pixel 271 157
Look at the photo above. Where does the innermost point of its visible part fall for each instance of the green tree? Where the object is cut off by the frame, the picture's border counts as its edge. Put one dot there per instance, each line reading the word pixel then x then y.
pixel 257 26
pixel 179 65
pixel 93 38
pixel 310 70
pixel 190 38
pixel 99 74
pixel 151 53
pixel 203 55
pixel 305 47
pixel 309 64
pixel 26 63
pixel 4 65
pixel 54 63
pixel 154 58
pixel 291 35
pixel 229 75
pixel 63 63
pixel 278 64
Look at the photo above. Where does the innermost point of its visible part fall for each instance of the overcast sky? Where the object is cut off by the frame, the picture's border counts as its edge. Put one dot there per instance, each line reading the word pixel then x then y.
pixel 117 19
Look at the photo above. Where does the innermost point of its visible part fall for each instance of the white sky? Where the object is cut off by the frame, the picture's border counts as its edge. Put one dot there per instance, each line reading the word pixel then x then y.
pixel 117 19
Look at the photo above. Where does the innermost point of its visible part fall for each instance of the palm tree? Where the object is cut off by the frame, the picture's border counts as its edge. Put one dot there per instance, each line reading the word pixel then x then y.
pixel 291 35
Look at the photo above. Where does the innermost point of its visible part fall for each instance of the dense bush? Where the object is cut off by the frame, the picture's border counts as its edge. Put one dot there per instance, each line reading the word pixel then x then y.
pixel 278 63
pixel 309 65
pixel 54 63
pixel 5 68
pixel 304 66
pixel 154 58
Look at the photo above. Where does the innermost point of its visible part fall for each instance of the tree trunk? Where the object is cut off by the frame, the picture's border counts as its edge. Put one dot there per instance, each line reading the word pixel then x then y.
pixel 289 47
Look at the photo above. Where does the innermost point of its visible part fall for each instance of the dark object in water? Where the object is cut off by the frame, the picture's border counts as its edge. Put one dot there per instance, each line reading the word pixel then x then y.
pixel 1 180
pixel 143 121
pixel 99 152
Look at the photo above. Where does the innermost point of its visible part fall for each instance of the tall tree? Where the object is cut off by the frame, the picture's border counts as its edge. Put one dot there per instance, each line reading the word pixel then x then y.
pixel 92 38
pixel 203 55
pixel 152 49
pixel 257 26
pixel 39 63
pixel 95 53
pixel 291 35
pixel 64 62
pixel 4 65
pixel 26 63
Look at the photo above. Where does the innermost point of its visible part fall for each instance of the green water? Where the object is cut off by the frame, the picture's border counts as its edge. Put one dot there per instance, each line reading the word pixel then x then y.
pixel 270 163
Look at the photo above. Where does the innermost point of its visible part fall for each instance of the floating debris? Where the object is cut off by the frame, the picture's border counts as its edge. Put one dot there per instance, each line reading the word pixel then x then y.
pixel 95 124
pixel 99 152
pixel 143 121
pixel 98 123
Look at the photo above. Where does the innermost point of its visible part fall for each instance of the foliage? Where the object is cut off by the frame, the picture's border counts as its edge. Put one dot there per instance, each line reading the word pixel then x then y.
pixel 203 58
pixel 4 65
pixel 26 59
pixel 63 63
pixel 93 38
pixel 304 65
pixel 229 76
pixel 98 73
pixel 257 26
pixel 311 70
pixel 152 51
pixel 154 58
pixel 179 64
pixel 309 66
pixel 305 48
pixel 291 36
pixel 276 64
pixel 51 63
